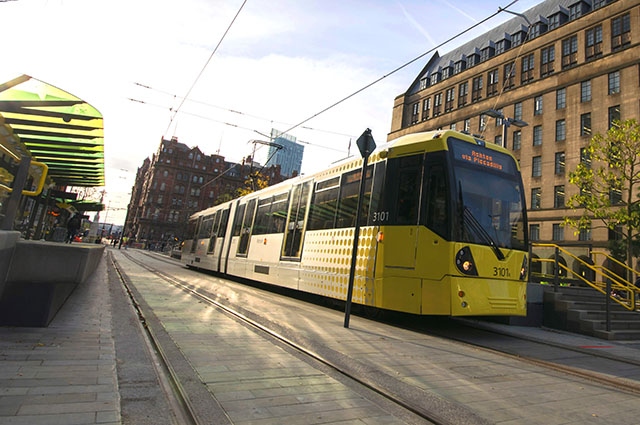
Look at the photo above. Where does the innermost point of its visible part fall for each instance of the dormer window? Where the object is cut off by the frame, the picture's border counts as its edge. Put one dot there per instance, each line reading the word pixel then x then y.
pixel 578 9
pixel 503 45
pixel 424 83
pixel 519 37
pixel 538 28
pixel 487 53
pixel 473 59
pixel 435 78
pixel 447 72
pixel 557 19
pixel 459 66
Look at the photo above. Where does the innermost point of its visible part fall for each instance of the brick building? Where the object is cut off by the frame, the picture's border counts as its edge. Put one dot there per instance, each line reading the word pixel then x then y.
pixel 566 70
pixel 176 182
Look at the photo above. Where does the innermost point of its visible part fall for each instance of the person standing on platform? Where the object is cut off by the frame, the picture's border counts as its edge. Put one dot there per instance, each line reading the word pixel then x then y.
pixel 73 225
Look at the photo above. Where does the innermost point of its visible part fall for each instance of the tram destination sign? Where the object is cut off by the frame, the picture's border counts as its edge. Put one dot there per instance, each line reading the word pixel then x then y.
pixel 481 156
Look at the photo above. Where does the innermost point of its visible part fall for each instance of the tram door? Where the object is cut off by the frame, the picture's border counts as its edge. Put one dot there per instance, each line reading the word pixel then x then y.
pixel 292 245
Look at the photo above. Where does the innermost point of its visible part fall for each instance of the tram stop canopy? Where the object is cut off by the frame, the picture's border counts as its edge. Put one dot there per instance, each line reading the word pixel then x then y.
pixel 57 128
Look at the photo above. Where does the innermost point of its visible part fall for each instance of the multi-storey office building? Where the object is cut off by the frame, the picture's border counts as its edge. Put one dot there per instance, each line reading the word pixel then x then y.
pixel 176 182
pixel 567 71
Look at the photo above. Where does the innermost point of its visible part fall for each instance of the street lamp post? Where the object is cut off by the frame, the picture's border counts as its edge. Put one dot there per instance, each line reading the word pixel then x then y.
pixel 506 123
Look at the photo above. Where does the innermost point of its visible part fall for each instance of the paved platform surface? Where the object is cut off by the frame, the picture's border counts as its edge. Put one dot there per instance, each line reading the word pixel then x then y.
pixel 89 367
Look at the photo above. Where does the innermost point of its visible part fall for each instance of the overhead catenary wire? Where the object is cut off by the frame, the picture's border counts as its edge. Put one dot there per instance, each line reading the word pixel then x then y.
pixel 186 96
pixel 500 10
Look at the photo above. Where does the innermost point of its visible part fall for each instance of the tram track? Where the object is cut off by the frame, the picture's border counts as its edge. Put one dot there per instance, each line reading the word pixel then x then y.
pixel 361 379
pixel 419 411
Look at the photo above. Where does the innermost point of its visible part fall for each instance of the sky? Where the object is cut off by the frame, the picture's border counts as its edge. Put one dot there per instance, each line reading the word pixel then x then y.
pixel 233 69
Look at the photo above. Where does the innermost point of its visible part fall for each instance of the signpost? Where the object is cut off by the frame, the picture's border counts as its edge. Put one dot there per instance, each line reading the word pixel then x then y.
pixel 366 145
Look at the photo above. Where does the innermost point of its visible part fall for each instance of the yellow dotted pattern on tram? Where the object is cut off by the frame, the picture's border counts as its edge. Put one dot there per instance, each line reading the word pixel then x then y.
pixel 327 261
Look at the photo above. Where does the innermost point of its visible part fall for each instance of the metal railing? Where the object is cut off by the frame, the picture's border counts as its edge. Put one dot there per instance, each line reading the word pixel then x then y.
pixel 600 278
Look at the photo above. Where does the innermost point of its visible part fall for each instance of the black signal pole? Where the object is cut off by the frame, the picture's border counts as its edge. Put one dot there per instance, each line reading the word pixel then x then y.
pixel 366 145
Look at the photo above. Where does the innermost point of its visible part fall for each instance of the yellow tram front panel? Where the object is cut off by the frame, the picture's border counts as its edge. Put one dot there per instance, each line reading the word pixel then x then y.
pixel 496 290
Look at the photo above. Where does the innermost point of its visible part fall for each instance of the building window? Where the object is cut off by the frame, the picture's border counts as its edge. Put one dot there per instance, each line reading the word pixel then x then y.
pixel 476 89
pixel 426 107
pixel 487 53
pixel 509 76
pixel 517 140
pixel 437 104
pixel 517 111
pixel 518 38
pixel 577 10
pixel 620 32
pixel 463 92
pixel 561 131
pixel 584 235
pixel 561 98
pixel 467 125
pixel 492 83
pixel 446 72
pixel 569 52
pixel 415 109
pixel 537 30
pixel 435 78
pixel 585 157
pixel 556 20
pixel 497 140
pixel 502 46
pixel 558 232
pixel 615 196
pixel 547 57
pixel 536 166
pixel 459 66
pixel 559 163
pixel 527 69
pixel 534 232
pixel 537 135
pixel 537 105
pixel 614 115
pixel 423 84
pixel 449 99
pixel 593 45
pixel 536 196
pixel 558 196
pixel 585 91
pixel 614 82
pixel 473 59
pixel 585 124
pixel 482 124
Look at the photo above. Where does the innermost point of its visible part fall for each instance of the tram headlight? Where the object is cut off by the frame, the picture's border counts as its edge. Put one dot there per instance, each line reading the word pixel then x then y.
pixel 523 269
pixel 465 262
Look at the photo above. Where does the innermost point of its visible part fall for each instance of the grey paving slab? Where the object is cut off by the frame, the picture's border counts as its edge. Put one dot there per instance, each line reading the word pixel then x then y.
pixel 64 373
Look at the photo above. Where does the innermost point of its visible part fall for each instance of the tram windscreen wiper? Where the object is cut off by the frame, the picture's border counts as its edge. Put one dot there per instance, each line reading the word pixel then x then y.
pixel 472 224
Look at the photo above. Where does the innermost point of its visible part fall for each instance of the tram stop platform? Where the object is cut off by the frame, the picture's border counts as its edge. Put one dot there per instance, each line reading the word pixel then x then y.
pixel 91 360
pixel 37 277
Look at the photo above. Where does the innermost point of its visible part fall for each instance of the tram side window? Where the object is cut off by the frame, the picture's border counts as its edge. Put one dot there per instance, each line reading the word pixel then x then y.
pixel 191 228
pixel 262 216
pixel 407 188
pixel 243 245
pixel 224 221
pixel 324 205
pixel 205 227
pixel 437 201
pixel 271 215
pixel 279 210
pixel 349 192
pixel 237 220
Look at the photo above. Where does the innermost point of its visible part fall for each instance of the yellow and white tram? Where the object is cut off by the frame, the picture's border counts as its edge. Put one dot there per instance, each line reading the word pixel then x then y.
pixel 443 230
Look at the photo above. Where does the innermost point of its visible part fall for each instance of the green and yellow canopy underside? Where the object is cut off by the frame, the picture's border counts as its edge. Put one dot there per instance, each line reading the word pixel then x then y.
pixel 62 131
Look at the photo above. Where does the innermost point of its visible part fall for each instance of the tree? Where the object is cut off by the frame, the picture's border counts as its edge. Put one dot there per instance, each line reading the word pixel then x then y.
pixel 254 182
pixel 607 177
